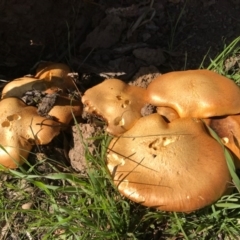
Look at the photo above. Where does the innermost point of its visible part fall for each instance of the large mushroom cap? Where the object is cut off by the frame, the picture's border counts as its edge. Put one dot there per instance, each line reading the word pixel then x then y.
pixel 117 102
pixel 174 167
pixel 20 128
pixel 195 93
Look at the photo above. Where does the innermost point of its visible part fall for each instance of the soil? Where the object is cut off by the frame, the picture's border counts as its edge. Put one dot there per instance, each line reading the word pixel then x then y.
pixel 99 36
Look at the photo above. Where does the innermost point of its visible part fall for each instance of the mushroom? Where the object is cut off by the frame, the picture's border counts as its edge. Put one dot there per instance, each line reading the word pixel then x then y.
pixel 62 109
pixel 173 166
pixel 228 129
pixel 57 73
pixel 195 93
pixel 65 108
pixel 49 76
pixel 18 87
pixel 168 113
pixel 116 102
pixel 20 128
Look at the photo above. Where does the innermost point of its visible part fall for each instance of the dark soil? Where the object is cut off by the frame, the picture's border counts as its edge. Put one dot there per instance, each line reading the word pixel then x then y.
pixel 114 36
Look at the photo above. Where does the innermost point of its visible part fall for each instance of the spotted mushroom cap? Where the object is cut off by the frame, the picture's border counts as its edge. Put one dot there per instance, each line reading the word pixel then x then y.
pixel 195 93
pixel 173 167
pixel 20 128
pixel 116 102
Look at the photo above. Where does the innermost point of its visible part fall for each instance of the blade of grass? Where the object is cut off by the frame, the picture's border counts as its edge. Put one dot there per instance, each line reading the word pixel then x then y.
pixel 229 158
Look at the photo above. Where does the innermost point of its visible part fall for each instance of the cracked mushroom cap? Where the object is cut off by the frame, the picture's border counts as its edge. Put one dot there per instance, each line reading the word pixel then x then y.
pixel 173 167
pixel 116 102
pixel 195 93
pixel 20 128
pixel 228 129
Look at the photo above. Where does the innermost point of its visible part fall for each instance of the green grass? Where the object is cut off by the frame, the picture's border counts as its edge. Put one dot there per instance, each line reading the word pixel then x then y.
pixel 174 27
pixel 69 205
pixel 229 52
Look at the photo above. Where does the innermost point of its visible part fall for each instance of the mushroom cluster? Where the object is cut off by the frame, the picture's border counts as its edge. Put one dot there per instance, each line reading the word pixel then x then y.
pixel 168 159
pixel 33 110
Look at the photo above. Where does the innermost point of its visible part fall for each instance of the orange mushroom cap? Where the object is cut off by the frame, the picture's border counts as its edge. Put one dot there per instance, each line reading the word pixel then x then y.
pixel 57 73
pixel 173 167
pixel 65 108
pixel 19 86
pixel 49 76
pixel 20 128
pixel 195 93
pixel 117 102
pixel 168 113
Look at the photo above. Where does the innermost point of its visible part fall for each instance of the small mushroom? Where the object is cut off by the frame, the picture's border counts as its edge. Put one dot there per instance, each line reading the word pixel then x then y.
pixel 18 87
pixel 116 102
pixel 173 166
pixel 65 108
pixel 168 113
pixel 195 93
pixel 57 73
pixel 20 128
pixel 49 77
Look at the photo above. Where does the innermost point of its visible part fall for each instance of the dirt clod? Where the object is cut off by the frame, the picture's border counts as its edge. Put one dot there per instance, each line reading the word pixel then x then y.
pixel 83 143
